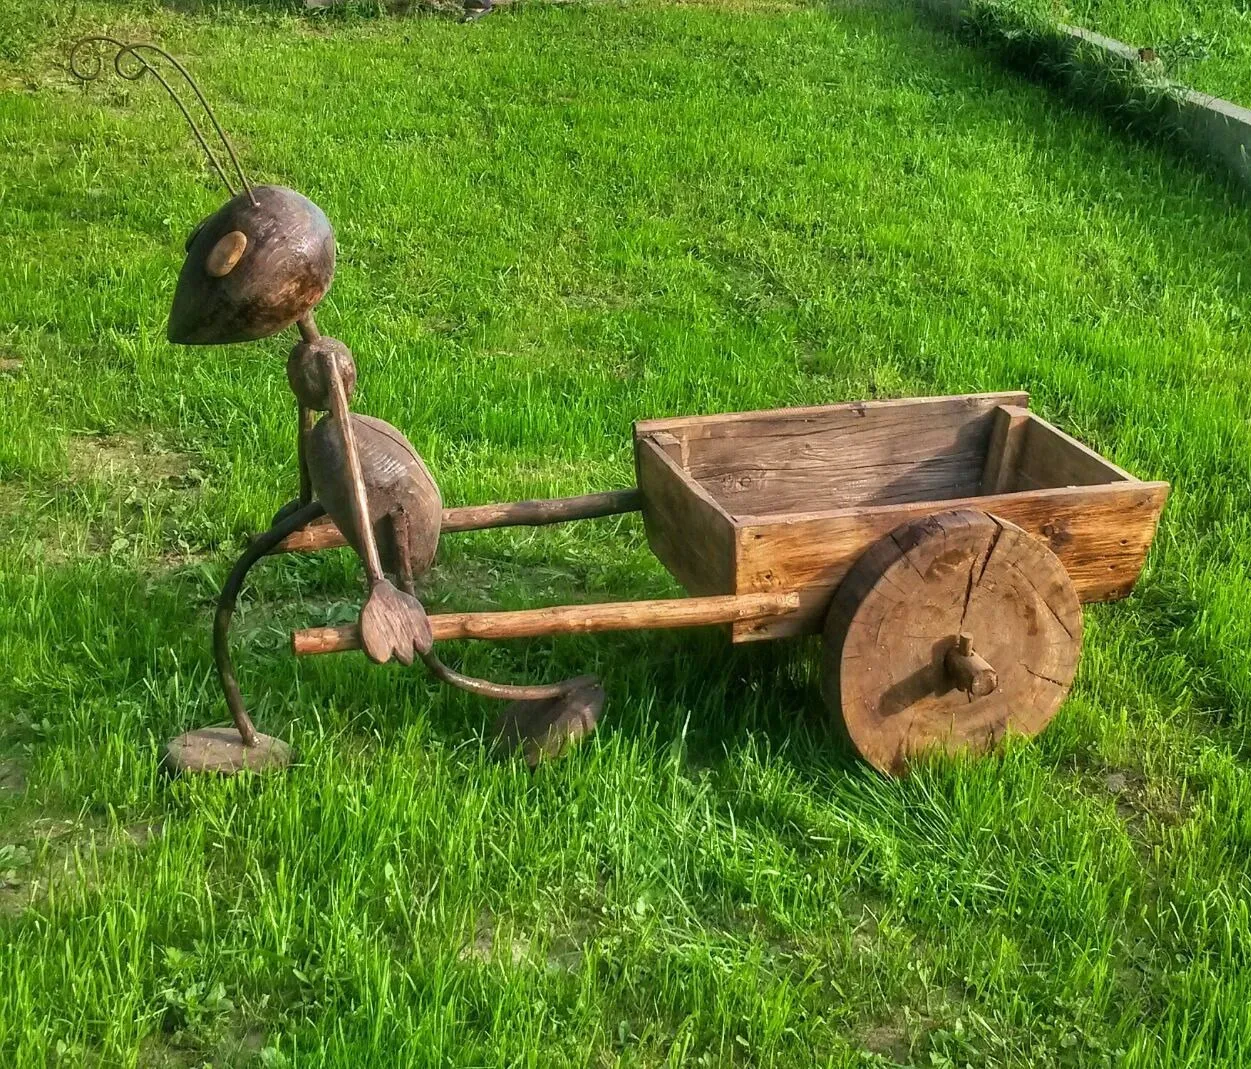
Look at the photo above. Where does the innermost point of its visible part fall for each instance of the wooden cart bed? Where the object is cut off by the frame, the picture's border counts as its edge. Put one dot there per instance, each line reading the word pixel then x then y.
pixel 787 500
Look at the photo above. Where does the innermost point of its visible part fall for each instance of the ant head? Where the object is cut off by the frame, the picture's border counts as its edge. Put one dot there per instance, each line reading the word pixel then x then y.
pixel 261 261
pixel 255 266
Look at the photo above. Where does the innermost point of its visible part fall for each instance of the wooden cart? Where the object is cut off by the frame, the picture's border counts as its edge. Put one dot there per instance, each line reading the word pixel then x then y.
pixel 943 547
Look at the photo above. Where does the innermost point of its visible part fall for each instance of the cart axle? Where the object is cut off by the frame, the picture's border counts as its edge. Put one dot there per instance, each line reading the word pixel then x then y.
pixel 971 672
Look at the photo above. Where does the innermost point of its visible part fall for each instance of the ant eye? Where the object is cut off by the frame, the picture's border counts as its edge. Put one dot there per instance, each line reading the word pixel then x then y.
pixel 225 254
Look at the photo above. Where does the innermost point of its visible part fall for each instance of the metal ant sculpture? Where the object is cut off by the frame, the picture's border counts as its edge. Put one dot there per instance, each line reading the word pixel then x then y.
pixel 258 265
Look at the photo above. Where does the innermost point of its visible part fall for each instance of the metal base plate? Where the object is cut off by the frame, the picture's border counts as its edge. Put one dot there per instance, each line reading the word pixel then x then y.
pixel 220 751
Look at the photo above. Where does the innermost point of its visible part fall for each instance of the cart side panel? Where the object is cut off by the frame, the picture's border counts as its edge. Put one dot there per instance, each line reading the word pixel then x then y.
pixel 836 456
pixel 1049 457
pixel 688 531
pixel 1028 453
pixel 1100 533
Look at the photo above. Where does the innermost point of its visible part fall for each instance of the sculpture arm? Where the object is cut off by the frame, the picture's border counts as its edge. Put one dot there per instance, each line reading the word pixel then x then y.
pixel 356 479
pixel 392 623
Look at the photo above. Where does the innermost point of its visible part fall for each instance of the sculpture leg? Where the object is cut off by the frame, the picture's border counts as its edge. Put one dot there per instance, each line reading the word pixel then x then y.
pixel 222 750
pixel 541 721
pixel 307 418
pixel 403 553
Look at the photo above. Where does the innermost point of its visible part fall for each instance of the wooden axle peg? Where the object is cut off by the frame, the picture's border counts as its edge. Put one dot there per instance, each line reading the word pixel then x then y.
pixel 970 672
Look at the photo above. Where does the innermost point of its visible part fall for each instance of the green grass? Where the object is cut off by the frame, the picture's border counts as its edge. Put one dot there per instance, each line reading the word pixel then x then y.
pixel 1202 43
pixel 550 224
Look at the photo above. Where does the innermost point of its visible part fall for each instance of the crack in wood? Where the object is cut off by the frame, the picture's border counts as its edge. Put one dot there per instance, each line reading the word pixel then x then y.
pixel 1039 675
pixel 994 544
pixel 984 560
pixel 904 553
pixel 1043 598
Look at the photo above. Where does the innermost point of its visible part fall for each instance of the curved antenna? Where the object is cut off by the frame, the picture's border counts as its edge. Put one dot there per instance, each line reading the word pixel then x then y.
pixel 86 64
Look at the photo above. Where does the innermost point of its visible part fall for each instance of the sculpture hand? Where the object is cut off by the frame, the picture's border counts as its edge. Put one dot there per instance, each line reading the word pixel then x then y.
pixel 394 624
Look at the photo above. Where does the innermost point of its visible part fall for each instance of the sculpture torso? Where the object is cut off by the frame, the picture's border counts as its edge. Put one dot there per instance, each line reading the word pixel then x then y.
pixel 397 481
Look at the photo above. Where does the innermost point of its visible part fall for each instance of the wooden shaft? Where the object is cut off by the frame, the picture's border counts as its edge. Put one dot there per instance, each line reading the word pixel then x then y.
pixel 543 512
pixel 970 672
pixel 569 620
pixel 325 535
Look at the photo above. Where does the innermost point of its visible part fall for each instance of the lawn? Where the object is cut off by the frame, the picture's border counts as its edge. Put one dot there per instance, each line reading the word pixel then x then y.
pixel 1202 43
pixel 552 223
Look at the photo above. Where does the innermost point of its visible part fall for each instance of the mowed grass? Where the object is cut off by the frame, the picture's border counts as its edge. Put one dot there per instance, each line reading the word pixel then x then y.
pixel 550 224
pixel 1203 43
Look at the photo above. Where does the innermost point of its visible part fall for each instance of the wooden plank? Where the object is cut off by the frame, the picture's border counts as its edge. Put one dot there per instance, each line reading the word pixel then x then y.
pixel 835 456
pixel 1007 436
pixel 673 447
pixel 1100 533
pixel 569 620
pixel 1049 457
pixel 688 531
pixel 323 534
pixel 705 426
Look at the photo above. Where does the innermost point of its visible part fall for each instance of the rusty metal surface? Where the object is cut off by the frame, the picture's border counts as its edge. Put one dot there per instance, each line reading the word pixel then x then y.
pixel 258 548
pixel 132 61
pixel 543 730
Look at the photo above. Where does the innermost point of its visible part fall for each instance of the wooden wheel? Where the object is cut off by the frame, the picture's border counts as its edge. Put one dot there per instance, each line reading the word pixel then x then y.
pixel 947 633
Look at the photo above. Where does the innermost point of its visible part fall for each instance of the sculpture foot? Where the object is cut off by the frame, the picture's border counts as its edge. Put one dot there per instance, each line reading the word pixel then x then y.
pixel 546 729
pixel 220 751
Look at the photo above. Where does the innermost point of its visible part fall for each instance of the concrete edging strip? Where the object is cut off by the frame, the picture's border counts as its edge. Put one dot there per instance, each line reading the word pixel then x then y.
pixel 1215 129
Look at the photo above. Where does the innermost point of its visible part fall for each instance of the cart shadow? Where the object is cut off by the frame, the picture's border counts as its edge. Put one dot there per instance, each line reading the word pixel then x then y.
pixel 716 701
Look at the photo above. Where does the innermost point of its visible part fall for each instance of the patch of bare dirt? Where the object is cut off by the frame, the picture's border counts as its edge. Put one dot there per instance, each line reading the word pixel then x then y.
pixel 1139 799
pixel 50 850
pixel 1144 805
pixel 12 777
pixel 489 945
pixel 142 834
pixel 135 473
pixel 890 1039
pixel 10 499
pixel 493 942
pixel 123 458
pixel 235 1044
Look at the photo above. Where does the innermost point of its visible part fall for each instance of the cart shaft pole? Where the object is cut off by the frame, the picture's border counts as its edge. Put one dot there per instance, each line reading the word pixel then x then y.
pixel 569 620
pixel 325 535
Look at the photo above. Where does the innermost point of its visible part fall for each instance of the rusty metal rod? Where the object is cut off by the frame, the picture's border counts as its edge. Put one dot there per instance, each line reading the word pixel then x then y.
pixel 569 620
pixel 257 548
pixel 540 513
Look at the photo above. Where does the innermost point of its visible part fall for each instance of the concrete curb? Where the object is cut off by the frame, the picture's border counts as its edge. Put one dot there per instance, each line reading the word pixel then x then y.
pixel 1216 130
